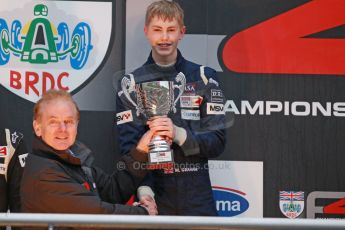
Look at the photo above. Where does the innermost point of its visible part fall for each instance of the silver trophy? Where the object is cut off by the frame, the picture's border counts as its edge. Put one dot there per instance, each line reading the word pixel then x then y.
pixel 155 98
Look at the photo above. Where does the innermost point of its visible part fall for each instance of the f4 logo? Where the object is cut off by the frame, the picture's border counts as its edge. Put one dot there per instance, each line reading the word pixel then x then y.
pixel 333 204
pixel 284 44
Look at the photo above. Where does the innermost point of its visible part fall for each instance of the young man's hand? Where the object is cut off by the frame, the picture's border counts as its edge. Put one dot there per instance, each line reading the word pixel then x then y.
pixel 162 126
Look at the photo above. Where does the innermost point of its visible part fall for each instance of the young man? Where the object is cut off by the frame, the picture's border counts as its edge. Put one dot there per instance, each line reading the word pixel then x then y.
pixel 13 153
pixel 195 129
pixel 59 176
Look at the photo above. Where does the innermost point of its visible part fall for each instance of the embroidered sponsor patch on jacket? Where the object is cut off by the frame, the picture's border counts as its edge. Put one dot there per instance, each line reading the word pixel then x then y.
pixel 190 101
pixel 3 153
pixel 216 95
pixel 16 137
pixel 215 108
pixel 189 89
pixel 22 159
pixel 188 114
pixel 124 117
pixel 87 186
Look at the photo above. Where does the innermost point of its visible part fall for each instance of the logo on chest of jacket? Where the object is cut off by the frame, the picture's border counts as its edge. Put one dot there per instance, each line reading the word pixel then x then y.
pixel 87 186
pixel 190 101
pixel 124 117
pixel 189 89
pixel 216 96
pixel 22 159
pixel 3 153
pixel 188 114
pixel 215 108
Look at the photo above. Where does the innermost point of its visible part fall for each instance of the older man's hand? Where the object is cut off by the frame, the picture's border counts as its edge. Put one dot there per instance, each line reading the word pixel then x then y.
pixel 149 204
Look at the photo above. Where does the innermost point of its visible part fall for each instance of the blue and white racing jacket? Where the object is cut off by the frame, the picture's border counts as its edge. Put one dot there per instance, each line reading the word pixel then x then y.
pixel 199 110
pixel 13 154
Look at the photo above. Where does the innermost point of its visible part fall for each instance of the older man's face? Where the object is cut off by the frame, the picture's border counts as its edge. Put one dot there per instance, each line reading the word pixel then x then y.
pixel 57 124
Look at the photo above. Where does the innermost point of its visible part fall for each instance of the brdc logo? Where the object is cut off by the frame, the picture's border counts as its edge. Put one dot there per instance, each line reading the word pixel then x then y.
pixel 41 45
pixel 38 51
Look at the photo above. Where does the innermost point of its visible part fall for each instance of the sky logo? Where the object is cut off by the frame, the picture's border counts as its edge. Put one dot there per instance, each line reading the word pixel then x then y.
pixel 229 202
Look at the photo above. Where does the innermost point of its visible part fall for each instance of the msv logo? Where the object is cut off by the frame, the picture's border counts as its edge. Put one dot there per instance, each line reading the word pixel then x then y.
pixel 56 45
pixel 229 202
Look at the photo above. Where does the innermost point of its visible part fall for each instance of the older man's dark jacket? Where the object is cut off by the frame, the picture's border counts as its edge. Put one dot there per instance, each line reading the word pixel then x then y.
pixel 65 182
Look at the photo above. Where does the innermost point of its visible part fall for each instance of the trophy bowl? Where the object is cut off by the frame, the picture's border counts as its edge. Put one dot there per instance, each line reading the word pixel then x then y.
pixel 156 98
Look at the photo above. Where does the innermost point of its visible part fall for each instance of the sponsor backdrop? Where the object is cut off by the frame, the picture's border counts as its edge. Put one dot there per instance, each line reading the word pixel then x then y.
pixel 280 64
pixel 237 187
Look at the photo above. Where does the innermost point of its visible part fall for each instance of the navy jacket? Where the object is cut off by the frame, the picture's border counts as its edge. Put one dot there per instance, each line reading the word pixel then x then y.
pixel 199 111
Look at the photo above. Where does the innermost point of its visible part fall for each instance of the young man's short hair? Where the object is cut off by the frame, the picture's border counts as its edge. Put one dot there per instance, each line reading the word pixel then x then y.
pixel 166 10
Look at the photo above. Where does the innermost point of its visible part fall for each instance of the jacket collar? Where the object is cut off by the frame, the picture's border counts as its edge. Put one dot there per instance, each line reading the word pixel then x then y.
pixel 177 66
pixel 77 154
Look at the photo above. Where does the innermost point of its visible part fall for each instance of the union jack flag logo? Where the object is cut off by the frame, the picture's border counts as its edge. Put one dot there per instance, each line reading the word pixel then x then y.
pixel 291 196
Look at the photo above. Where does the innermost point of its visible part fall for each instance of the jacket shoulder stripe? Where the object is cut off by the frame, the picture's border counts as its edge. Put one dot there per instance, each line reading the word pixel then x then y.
pixel 202 75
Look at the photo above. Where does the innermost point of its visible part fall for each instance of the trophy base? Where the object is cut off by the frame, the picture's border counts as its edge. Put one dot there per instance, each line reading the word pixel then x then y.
pixel 160 160
pixel 157 166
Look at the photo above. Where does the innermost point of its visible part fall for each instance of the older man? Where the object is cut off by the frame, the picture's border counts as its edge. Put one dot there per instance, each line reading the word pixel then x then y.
pixel 59 176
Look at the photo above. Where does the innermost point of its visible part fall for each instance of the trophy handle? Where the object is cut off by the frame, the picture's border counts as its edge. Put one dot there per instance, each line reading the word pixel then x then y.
pixel 179 78
pixel 127 88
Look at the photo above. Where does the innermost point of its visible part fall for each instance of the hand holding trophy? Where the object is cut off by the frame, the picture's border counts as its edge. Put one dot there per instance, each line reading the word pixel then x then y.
pixel 155 99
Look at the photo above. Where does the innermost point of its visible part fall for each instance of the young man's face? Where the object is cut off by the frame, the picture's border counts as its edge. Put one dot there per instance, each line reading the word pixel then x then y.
pixel 58 124
pixel 164 36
